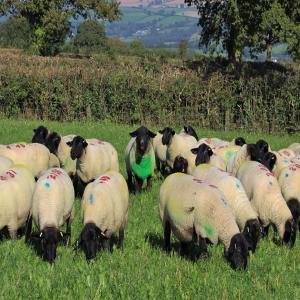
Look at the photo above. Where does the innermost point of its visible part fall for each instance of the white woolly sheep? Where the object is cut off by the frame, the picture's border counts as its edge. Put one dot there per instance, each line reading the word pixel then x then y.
pixel 160 151
pixel 93 158
pixel 104 212
pixel 36 157
pixel 52 207
pixel 194 210
pixel 140 159
pixel 265 196
pixel 236 198
pixel 16 186
pixel 5 163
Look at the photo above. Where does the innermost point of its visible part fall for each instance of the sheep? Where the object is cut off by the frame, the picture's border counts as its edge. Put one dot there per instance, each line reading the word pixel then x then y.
pixel 246 152
pixel 286 153
pixel 93 158
pixel 5 163
pixel 140 159
pixel 195 210
pixel 36 157
pixel 52 207
pixel 236 198
pixel 226 152
pixel 160 151
pixel 189 130
pixel 104 211
pixel 59 147
pixel 179 145
pixel 265 196
pixel 288 175
pixel 40 135
pixel 180 165
pixel 17 186
pixel 204 154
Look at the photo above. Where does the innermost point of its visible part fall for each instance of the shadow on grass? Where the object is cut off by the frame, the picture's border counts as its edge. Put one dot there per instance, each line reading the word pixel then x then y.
pixel 156 241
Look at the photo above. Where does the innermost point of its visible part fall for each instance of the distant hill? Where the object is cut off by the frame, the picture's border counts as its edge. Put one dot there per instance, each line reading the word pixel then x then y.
pixel 153 3
pixel 156 27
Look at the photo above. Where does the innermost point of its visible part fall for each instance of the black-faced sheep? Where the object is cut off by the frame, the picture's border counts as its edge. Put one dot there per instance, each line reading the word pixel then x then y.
pixel 40 135
pixel 52 207
pixel 194 210
pixel 140 159
pixel 104 211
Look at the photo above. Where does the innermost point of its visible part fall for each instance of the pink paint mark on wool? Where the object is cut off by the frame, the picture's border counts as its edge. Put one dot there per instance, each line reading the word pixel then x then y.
pixel 104 179
pixel 54 174
pixel 198 180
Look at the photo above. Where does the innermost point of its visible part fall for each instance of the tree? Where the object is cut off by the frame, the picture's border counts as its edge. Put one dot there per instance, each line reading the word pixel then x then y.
pixel 182 48
pixel 49 20
pixel 91 36
pixel 221 23
pixel 14 33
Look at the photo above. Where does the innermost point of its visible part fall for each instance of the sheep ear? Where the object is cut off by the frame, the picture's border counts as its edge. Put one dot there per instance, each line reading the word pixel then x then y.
pixel 194 151
pixel 161 131
pixel 210 152
pixel 70 143
pixel 185 129
pixel 151 134
pixel 173 132
pixel 133 134
pixel 34 130
pixel 85 144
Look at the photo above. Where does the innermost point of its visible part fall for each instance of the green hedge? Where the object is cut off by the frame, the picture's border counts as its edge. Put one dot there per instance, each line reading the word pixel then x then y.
pixel 209 94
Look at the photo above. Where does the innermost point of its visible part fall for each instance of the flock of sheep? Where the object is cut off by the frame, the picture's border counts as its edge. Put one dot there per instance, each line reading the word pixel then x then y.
pixel 214 190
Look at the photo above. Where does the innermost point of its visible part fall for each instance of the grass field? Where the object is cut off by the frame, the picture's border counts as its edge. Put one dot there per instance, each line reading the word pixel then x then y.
pixel 143 269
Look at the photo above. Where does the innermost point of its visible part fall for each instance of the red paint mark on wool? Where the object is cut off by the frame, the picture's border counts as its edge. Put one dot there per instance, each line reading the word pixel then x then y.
pixel 8 147
pixel 213 186
pixel 54 174
pixel 11 173
pixel 3 178
pixel 268 173
pixel 104 179
pixel 100 142
pixel 198 180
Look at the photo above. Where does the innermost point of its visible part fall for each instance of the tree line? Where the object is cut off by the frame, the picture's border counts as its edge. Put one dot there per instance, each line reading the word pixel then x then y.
pixel 256 24
pixel 236 25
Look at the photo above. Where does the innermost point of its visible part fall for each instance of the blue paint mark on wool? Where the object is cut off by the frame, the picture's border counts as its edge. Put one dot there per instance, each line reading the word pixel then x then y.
pixel 47 185
pixel 270 183
pixel 286 174
pixel 91 199
pixel 237 186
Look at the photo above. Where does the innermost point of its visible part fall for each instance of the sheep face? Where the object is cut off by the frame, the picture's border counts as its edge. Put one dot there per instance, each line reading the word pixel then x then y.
pixel 240 141
pixel 52 142
pixel 263 146
pixel 254 153
pixel 50 238
pixel 269 160
pixel 180 164
pixel 252 232
pixel 237 252
pixel 40 135
pixel 190 131
pixel 143 136
pixel 88 240
pixel 78 145
pixel 203 154
pixel 168 134
pixel 289 235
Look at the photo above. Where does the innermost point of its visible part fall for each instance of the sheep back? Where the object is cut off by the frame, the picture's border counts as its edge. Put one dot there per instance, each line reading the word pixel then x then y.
pixel 105 203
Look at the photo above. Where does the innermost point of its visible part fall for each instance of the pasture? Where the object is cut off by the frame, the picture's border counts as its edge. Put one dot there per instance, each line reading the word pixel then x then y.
pixel 143 269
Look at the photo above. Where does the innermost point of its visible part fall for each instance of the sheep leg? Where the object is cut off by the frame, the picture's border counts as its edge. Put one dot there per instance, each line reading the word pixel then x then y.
pixel 121 239
pixel 28 228
pixel 167 235
pixel 183 248
pixel 138 185
pixel 157 165
pixel 106 244
pixel 129 181
pixel 265 231
pixel 68 231
pixel 163 169
pixel 203 248
pixel 12 232
pixel 149 183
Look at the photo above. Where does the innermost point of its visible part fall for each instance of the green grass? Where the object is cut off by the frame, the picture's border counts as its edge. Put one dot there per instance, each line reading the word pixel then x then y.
pixel 143 269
